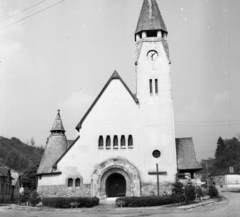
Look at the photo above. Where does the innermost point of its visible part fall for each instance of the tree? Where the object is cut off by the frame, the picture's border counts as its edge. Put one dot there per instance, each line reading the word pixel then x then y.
pixel 227 154
pixel 32 142
pixel 28 178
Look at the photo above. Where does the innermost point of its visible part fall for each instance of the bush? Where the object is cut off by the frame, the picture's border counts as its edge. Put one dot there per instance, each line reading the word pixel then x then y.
pixel 34 198
pixel 62 202
pixel 144 201
pixel 213 192
pixel 23 198
pixel 190 192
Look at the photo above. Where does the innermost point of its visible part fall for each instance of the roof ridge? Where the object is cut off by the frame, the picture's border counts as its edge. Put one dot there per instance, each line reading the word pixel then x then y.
pixel 115 75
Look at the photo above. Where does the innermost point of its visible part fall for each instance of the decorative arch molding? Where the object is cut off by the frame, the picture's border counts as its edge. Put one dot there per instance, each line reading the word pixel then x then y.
pixel 113 166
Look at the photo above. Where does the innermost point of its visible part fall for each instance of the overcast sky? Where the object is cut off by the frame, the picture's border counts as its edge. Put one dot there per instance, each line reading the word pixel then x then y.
pixel 59 54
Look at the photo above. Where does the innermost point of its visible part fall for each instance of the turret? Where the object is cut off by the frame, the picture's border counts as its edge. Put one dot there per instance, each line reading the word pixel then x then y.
pixel 150 22
pixel 55 147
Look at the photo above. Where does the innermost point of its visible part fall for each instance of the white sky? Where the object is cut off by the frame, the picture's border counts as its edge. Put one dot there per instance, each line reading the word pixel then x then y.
pixel 60 56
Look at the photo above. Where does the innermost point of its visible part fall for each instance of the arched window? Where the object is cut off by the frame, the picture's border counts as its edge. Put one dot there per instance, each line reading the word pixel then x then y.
pixel 130 141
pixel 70 182
pixel 123 141
pixel 115 142
pixel 100 142
pixel 77 182
pixel 108 142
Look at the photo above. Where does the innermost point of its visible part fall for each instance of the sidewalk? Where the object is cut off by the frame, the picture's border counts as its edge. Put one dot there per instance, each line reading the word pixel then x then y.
pixel 113 207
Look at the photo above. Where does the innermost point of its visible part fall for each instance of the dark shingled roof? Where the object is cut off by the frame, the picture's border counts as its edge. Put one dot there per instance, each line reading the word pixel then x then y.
pixel 150 17
pixel 56 146
pixel 58 125
pixel 115 75
pixel 186 157
pixel 4 171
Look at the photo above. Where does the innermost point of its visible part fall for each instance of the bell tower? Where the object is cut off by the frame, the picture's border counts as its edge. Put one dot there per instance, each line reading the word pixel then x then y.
pixel 153 88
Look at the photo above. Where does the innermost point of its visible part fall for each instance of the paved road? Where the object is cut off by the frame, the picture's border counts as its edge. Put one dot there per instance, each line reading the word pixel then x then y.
pixel 227 208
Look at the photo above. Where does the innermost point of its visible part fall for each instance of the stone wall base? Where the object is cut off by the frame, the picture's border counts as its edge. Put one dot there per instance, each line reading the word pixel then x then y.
pixel 148 189
pixel 64 191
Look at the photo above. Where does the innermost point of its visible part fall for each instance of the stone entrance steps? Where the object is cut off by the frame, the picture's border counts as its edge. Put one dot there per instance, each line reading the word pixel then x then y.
pixel 109 200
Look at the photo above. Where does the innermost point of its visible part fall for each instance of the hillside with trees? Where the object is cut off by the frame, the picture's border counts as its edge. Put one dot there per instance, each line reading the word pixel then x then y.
pixel 18 155
pixel 227 154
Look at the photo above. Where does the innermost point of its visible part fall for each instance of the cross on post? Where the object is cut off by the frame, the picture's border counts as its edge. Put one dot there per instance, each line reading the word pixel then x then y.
pixel 157 173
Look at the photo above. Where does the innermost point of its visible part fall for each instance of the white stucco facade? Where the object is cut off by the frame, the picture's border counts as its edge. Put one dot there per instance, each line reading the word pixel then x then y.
pixel 146 117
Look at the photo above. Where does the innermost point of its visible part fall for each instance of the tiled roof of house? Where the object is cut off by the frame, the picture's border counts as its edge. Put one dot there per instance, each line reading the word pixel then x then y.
pixel 186 157
pixel 150 17
pixel 4 171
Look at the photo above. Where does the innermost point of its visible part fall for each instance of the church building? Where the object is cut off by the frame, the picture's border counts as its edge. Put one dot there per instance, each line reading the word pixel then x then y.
pixel 126 144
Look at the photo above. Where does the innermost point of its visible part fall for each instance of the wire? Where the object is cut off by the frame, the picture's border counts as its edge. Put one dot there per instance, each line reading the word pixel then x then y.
pixel 32 14
pixel 209 122
pixel 22 11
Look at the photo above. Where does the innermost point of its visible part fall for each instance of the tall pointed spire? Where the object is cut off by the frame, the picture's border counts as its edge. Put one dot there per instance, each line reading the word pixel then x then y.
pixel 58 125
pixel 150 18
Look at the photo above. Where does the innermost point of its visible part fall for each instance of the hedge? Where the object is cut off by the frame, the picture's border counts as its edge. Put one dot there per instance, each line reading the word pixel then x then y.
pixel 145 201
pixel 64 202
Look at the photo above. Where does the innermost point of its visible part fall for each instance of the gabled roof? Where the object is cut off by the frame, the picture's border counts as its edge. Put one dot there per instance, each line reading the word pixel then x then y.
pixel 150 17
pixel 186 157
pixel 115 75
pixel 58 125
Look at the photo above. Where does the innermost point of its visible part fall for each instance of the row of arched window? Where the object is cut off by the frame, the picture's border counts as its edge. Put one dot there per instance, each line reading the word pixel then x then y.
pixel 71 182
pixel 116 142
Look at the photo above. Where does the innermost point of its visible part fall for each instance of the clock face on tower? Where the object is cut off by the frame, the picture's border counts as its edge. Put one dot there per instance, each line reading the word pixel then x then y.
pixel 152 55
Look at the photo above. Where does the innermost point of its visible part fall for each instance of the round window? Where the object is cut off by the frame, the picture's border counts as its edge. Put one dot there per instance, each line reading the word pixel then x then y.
pixel 156 153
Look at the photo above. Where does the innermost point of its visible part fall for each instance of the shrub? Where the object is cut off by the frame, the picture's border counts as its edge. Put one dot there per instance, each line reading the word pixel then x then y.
pixel 190 192
pixel 23 198
pixel 178 192
pixel 213 192
pixel 144 201
pixel 34 198
pixel 62 202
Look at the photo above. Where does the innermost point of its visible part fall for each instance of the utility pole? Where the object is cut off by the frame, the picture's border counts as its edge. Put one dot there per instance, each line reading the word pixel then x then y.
pixel 207 173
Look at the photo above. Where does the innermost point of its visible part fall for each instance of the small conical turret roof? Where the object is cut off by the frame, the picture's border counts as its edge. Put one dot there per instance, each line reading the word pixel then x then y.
pixel 58 125
pixel 150 17
pixel 55 147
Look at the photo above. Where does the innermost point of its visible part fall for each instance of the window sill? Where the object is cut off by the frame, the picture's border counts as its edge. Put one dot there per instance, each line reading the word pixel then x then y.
pixel 115 147
pixel 130 147
pixel 123 147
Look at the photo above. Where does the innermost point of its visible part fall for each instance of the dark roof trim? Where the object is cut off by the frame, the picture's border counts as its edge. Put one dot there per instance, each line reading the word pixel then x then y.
pixel 115 75
pixel 186 170
pixel 53 173
pixel 222 174
pixel 55 164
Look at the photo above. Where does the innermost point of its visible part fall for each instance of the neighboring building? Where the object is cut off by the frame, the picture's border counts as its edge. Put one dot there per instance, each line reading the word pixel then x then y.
pixel 125 139
pixel 226 181
pixel 15 185
pixel 5 184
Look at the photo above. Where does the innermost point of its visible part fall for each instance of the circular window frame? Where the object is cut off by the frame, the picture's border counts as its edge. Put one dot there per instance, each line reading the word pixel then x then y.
pixel 156 153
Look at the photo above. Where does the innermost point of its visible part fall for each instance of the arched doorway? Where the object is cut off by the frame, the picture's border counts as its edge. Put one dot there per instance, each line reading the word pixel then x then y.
pixel 116 185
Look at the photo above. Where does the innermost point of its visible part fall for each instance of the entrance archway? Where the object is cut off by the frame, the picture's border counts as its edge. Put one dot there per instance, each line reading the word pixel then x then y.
pixel 116 185
pixel 113 166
